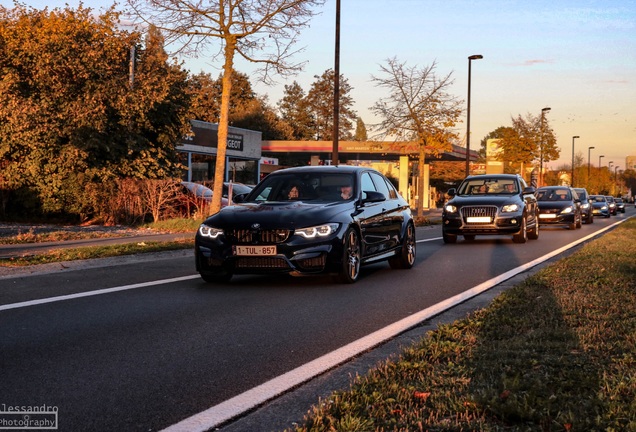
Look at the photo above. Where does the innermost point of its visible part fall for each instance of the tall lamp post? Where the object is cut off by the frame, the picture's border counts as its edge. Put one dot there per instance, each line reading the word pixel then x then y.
pixel 599 161
pixel 543 111
pixel 336 90
pixel 470 59
pixel 588 163
pixel 572 176
pixel 609 166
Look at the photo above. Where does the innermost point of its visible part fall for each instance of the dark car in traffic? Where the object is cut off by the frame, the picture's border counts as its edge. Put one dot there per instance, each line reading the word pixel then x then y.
pixel 559 205
pixel 587 212
pixel 600 207
pixel 309 220
pixel 620 205
pixel 491 204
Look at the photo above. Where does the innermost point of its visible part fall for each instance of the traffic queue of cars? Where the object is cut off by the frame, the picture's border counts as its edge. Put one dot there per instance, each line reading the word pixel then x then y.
pixel 504 204
pixel 334 219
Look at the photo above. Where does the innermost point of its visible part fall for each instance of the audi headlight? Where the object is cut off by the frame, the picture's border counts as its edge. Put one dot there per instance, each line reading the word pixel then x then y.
pixel 208 231
pixel 317 231
pixel 566 210
pixel 510 208
pixel 450 208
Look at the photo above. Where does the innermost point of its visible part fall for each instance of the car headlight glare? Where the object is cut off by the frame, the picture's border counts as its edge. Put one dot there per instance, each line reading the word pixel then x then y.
pixel 566 210
pixel 585 205
pixel 317 231
pixel 450 208
pixel 510 208
pixel 208 231
pixel 604 208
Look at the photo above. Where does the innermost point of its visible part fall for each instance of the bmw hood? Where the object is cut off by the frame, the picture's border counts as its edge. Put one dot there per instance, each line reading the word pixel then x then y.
pixel 287 215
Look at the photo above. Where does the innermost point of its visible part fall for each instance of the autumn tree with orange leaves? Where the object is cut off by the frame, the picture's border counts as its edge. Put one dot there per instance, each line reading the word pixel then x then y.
pixel 72 116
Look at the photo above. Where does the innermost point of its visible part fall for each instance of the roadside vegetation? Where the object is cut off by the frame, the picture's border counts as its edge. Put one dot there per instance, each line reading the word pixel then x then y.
pixel 555 353
pixel 179 225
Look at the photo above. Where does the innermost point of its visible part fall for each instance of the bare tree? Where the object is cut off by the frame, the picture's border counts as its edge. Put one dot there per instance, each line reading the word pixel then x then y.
pixel 417 108
pixel 260 31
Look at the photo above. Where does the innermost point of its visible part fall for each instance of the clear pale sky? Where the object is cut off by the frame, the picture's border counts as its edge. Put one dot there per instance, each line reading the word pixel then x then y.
pixel 577 57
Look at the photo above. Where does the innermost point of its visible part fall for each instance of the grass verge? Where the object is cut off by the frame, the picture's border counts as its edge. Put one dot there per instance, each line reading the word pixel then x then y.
pixel 555 353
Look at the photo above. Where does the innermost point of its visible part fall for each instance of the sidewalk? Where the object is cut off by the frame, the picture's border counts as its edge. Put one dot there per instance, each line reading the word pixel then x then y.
pixel 27 249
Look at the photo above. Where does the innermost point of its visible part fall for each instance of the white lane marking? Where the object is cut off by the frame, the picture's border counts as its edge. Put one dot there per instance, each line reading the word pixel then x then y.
pixel 250 399
pixel 94 293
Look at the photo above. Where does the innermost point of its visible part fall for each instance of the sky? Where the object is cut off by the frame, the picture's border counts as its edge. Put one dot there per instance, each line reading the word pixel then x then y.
pixel 577 57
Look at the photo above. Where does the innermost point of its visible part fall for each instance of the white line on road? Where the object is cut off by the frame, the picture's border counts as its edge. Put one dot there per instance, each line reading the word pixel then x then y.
pixel 94 293
pixel 234 407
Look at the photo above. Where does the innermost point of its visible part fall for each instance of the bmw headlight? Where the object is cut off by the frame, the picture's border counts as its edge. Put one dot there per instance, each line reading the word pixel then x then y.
pixel 566 210
pixel 208 231
pixel 317 231
pixel 510 208
pixel 450 208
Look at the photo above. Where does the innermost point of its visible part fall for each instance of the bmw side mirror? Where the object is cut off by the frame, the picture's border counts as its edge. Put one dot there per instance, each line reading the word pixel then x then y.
pixel 451 192
pixel 373 196
pixel 239 198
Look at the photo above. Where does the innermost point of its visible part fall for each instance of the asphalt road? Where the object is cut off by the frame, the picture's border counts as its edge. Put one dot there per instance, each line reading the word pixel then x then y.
pixel 157 345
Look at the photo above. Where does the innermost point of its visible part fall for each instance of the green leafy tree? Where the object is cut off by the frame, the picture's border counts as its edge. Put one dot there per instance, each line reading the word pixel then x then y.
pixel 69 118
pixel 294 109
pixel 320 102
pixel 361 131
pixel 248 110
pixel 260 31
pixel 205 96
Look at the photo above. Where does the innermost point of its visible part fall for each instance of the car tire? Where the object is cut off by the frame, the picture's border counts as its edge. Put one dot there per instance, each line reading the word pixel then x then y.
pixel 406 257
pixel 216 277
pixel 350 268
pixel 522 235
pixel 579 222
pixel 449 238
pixel 534 233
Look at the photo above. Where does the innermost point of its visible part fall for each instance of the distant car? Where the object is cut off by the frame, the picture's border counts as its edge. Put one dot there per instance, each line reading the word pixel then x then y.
pixel 237 189
pixel 620 205
pixel 559 205
pixel 586 206
pixel 299 221
pixel 491 204
pixel 612 204
pixel 200 195
pixel 600 207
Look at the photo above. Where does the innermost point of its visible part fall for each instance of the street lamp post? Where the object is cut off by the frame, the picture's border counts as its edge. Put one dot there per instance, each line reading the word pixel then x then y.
pixel 588 163
pixel 470 59
pixel 616 177
pixel 543 111
pixel 599 162
pixel 609 166
pixel 572 177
